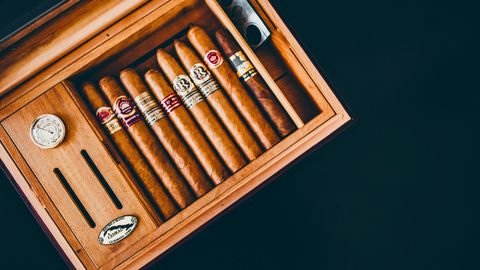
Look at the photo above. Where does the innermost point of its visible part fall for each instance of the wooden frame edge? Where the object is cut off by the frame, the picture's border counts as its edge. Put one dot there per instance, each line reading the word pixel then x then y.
pixel 38 210
pixel 35 24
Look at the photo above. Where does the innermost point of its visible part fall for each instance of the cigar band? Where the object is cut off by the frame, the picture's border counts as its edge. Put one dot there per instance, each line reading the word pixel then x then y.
pixel 203 79
pixel 213 58
pixel 242 66
pixel 187 91
pixel 107 118
pixel 150 109
pixel 126 111
pixel 170 103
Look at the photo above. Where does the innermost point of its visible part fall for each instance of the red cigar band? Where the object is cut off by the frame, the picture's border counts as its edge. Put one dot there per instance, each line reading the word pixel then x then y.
pixel 170 103
pixel 107 118
pixel 213 58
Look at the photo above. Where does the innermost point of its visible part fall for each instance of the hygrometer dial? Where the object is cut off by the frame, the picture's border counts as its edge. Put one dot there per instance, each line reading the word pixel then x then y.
pixel 47 131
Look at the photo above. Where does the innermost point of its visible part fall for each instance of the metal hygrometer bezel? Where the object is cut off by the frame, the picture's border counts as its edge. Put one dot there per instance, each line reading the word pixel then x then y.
pixel 55 119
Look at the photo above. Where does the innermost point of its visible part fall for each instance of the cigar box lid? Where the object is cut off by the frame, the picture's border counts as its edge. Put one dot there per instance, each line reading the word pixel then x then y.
pixel 27 19
pixel 32 44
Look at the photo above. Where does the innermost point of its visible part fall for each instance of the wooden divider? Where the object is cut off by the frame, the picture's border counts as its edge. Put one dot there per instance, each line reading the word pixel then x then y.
pixel 222 16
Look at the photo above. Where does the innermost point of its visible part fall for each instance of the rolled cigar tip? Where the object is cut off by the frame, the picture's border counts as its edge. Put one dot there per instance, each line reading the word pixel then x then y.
pixel 150 72
pixel 226 41
pixel 163 55
pixel 106 81
pixel 154 77
pixel 220 32
pixel 151 76
pixel 179 45
pixel 222 35
pixel 161 52
pixel 110 88
pixel 169 65
pixel 194 29
pixel 154 74
pixel 129 75
pixel 128 72
pixel 88 88
pixel 132 82
pixel 87 85
pixel 177 42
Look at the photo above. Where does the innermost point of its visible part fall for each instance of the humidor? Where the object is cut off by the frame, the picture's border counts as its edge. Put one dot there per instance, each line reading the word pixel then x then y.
pixel 78 188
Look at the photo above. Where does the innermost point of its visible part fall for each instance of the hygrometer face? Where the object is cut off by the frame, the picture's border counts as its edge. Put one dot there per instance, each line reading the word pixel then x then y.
pixel 47 131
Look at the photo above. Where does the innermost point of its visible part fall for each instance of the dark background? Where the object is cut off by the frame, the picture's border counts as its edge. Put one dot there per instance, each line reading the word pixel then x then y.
pixel 398 189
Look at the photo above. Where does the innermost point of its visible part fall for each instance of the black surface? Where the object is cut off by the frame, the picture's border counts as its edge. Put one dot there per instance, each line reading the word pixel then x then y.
pixel 396 190
pixel 19 14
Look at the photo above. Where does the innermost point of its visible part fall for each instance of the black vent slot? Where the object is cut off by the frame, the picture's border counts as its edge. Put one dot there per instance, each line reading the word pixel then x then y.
pixel 74 197
pixel 102 180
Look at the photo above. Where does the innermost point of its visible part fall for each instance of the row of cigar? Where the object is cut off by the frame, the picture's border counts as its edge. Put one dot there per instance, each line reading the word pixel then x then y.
pixel 191 127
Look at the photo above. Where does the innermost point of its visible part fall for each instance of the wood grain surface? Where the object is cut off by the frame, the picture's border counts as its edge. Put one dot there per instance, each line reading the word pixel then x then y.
pixel 86 186
pixel 26 61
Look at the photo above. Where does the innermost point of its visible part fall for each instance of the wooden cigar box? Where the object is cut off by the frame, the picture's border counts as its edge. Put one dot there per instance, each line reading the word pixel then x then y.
pixel 80 186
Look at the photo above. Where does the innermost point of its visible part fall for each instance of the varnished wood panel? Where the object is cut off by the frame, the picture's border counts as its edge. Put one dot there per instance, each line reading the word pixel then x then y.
pixel 11 41
pixel 141 54
pixel 23 62
pixel 85 184
pixel 41 204
pixel 95 51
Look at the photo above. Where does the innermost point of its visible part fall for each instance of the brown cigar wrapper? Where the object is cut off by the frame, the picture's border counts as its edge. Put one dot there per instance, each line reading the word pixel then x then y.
pixel 166 133
pixel 204 116
pixel 203 79
pixel 150 147
pixel 144 174
pixel 256 84
pixel 230 82
pixel 185 124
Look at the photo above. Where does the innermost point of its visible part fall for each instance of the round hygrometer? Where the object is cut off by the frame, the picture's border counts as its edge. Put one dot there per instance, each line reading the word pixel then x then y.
pixel 47 131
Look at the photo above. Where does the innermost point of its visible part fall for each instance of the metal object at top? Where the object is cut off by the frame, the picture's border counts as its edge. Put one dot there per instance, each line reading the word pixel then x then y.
pixel 247 21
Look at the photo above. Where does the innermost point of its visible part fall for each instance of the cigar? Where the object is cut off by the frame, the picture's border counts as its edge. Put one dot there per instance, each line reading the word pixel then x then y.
pixel 165 132
pixel 146 141
pixel 130 153
pixel 229 81
pixel 187 127
pixel 211 91
pixel 193 100
pixel 254 82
